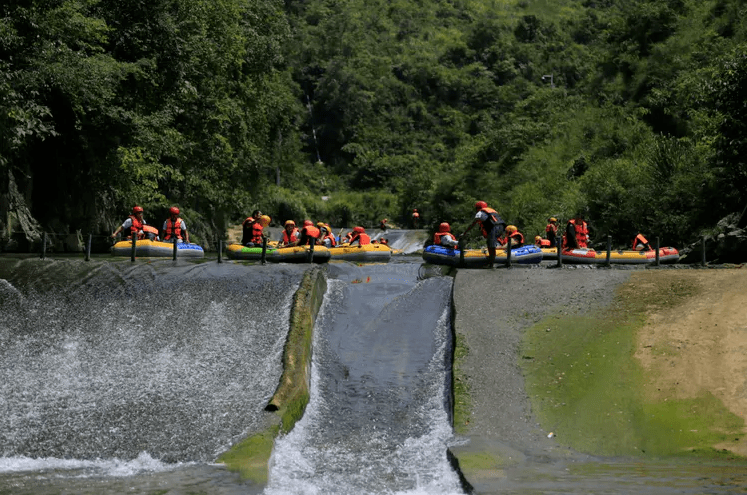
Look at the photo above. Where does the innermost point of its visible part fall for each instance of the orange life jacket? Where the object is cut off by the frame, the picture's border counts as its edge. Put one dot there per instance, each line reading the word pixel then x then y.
pixel 173 229
pixel 252 231
pixel 639 239
pixel 517 239
pixel 312 234
pixel 544 243
pixel 137 226
pixel 331 238
pixel 438 235
pixel 362 239
pixel 551 227
pixel 492 220
pixel 293 236
pixel 582 233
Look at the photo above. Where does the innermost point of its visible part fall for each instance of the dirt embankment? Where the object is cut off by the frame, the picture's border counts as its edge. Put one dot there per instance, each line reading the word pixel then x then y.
pixel 699 345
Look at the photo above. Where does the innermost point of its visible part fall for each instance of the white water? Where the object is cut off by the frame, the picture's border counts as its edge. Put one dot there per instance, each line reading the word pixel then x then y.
pixel 374 449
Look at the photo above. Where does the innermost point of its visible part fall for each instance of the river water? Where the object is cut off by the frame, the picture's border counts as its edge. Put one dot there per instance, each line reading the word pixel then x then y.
pixel 132 378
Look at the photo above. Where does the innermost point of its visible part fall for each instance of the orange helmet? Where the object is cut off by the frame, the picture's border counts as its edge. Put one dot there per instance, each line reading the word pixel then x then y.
pixel 174 210
pixel 444 227
pixel 264 220
pixel 289 222
pixel 137 209
pixel 511 229
pixel 480 205
pixel 359 229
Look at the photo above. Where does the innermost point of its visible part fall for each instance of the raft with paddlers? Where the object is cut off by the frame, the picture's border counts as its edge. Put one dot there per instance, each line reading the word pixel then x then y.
pixel 274 254
pixel 145 248
pixel 474 258
pixel 368 253
pixel 618 257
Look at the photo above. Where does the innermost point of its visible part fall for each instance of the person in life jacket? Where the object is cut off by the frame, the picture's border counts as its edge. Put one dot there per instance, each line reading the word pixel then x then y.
pixel 133 225
pixel 576 233
pixel 174 229
pixel 541 243
pixel 551 231
pixel 640 243
pixel 309 234
pixel 415 218
pixel 360 236
pixel 290 234
pixel 511 232
pixel 327 239
pixel 444 237
pixel 251 230
pixel 382 224
pixel 492 226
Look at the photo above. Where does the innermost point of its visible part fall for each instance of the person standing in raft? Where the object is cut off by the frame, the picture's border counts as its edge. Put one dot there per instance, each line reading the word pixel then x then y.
pixel 133 226
pixel 551 231
pixel 174 228
pixel 290 234
pixel 251 230
pixel 360 236
pixel 309 234
pixel 576 233
pixel 492 226
pixel 444 237
pixel 640 243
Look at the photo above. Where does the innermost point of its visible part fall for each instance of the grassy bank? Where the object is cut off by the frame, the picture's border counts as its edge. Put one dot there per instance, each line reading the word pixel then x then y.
pixel 250 456
pixel 587 387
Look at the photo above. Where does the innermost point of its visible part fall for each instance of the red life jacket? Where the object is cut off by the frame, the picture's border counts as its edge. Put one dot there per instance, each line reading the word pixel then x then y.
pixel 173 229
pixel 493 219
pixel 362 239
pixel 544 243
pixel 551 227
pixel 137 226
pixel 293 236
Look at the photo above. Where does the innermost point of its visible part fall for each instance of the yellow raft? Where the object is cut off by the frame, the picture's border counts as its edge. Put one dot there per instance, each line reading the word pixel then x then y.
pixel 368 253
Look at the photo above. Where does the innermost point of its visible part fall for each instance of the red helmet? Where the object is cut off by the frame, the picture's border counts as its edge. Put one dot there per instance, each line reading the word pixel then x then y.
pixel 444 227
pixel 174 210
pixel 137 209
pixel 480 205
pixel 359 229
pixel 308 223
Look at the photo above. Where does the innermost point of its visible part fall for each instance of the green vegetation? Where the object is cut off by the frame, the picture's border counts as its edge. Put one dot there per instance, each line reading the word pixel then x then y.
pixel 460 388
pixel 586 386
pixel 630 109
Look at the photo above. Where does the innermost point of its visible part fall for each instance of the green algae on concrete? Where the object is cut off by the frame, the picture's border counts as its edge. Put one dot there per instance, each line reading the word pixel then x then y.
pixel 250 456
pixel 461 396
pixel 586 386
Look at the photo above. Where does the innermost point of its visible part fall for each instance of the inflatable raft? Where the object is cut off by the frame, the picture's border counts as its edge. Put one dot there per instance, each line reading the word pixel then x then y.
pixel 474 258
pixel 157 249
pixel 369 253
pixel 295 254
pixel 626 257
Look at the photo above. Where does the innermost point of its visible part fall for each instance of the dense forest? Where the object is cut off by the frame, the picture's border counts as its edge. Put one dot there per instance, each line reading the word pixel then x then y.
pixel 349 111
